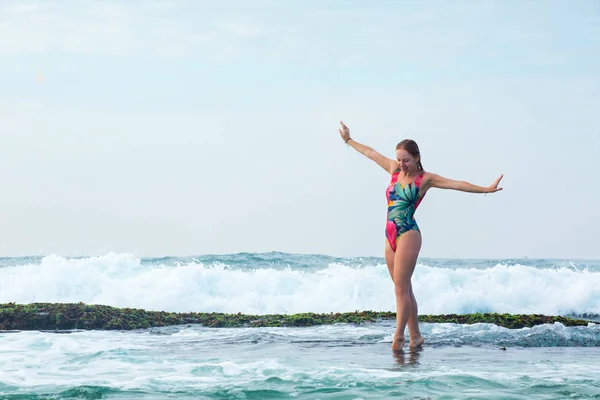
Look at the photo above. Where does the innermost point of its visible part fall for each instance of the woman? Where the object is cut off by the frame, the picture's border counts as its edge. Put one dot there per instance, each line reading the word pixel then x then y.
pixel 409 183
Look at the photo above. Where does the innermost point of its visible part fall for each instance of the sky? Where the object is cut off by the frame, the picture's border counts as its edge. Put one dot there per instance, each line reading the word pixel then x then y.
pixel 175 128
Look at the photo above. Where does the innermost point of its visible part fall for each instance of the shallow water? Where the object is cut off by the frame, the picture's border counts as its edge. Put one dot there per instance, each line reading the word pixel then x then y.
pixel 328 362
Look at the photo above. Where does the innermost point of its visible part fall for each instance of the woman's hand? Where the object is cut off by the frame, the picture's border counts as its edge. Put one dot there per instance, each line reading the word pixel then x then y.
pixel 494 187
pixel 344 132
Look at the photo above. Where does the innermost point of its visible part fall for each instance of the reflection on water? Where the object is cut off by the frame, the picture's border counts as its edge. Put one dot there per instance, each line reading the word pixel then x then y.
pixel 407 358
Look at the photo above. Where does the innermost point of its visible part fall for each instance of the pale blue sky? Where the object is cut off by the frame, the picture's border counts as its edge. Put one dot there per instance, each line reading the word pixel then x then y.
pixel 187 127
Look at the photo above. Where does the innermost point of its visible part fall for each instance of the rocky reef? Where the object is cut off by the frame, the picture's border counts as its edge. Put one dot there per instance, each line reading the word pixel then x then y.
pixel 72 316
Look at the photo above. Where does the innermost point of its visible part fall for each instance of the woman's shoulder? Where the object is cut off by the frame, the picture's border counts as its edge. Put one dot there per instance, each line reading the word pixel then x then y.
pixel 426 177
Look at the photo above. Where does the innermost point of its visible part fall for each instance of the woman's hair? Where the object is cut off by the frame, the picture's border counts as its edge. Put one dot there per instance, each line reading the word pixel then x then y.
pixel 412 147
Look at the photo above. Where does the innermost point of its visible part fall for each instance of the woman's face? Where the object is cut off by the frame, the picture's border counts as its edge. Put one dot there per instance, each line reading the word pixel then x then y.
pixel 406 161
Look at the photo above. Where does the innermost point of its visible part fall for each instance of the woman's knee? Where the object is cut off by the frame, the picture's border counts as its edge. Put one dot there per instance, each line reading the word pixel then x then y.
pixel 402 287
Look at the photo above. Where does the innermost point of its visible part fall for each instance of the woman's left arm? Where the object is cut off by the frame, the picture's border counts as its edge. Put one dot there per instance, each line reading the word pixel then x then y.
pixel 440 182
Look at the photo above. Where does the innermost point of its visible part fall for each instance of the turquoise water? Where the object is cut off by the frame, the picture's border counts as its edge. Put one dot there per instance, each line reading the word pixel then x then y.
pixel 328 362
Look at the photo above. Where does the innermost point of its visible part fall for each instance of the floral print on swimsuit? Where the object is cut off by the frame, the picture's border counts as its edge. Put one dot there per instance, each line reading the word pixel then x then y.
pixel 403 201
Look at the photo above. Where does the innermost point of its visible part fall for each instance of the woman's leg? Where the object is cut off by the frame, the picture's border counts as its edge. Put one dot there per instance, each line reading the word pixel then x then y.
pixel 405 259
pixel 416 339
pixel 389 259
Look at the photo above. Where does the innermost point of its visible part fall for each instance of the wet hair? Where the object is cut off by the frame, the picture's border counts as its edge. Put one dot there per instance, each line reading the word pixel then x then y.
pixel 412 147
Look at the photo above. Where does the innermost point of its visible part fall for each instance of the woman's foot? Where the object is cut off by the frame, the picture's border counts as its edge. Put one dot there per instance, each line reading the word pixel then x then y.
pixel 398 342
pixel 416 342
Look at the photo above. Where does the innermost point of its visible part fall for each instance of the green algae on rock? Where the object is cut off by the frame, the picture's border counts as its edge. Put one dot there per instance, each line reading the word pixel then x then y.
pixel 70 316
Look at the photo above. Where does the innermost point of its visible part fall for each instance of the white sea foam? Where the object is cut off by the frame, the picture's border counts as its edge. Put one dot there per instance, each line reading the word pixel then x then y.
pixel 122 280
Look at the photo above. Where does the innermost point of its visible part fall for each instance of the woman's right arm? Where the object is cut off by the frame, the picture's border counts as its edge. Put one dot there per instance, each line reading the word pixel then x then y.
pixel 386 163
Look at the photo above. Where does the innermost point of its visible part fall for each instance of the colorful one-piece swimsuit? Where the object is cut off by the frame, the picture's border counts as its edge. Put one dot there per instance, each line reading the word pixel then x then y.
pixel 403 201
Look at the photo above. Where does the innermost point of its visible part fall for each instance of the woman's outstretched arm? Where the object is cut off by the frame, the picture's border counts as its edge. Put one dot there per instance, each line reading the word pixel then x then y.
pixel 386 163
pixel 445 183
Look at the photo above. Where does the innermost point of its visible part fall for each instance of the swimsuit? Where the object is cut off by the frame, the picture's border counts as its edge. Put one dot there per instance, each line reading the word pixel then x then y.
pixel 403 201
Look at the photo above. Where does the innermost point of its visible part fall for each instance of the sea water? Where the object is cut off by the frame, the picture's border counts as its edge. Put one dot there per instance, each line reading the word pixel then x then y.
pixel 341 361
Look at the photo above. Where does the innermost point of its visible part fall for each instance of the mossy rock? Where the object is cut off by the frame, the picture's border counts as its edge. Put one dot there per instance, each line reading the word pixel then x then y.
pixel 73 316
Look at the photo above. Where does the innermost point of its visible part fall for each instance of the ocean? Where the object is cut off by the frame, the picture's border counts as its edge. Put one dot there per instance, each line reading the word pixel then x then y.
pixel 339 361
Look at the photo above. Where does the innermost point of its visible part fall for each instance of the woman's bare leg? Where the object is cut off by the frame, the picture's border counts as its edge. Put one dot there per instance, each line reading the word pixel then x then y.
pixel 416 339
pixel 405 259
